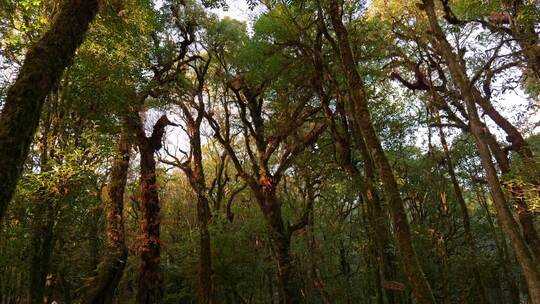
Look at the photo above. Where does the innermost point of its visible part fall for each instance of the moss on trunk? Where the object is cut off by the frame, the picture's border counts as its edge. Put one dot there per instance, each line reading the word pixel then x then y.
pixel 41 71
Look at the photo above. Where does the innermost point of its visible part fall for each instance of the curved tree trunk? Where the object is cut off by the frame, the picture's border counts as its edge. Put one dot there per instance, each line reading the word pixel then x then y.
pixel 413 270
pixel 379 221
pixel 41 71
pixel 111 269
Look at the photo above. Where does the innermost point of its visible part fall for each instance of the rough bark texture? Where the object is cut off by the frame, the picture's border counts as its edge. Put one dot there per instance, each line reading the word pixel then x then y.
pixel 504 214
pixel 150 278
pixel 382 235
pixel 41 71
pixel 513 135
pixel 195 173
pixel 415 275
pixel 280 237
pixel 111 268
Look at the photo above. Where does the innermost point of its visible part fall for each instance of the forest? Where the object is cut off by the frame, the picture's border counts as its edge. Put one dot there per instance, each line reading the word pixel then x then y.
pixel 308 151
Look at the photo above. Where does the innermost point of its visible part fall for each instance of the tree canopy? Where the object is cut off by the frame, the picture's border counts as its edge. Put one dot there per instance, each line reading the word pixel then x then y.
pixel 329 151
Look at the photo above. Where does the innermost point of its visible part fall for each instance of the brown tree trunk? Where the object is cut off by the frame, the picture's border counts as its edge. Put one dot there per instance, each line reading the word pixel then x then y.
pixel 111 269
pixel 504 214
pixel 502 253
pixel 205 252
pixel 280 239
pixel 457 71
pixel 41 71
pixel 465 215
pixel 413 270
pixel 194 170
pixel 382 237
pixel 198 182
pixel 150 278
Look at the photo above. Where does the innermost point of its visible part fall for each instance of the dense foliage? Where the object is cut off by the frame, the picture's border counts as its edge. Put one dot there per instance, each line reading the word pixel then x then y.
pixel 330 151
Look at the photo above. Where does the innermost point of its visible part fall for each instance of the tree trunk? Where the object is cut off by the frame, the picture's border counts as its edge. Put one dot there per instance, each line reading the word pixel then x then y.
pixel 465 215
pixel 42 246
pixel 280 239
pixel 195 173
pixel 150 278
pixel 415 275
pixel 379 221
pixel 502 256
pixel 41 71
pixel 111 269
pixel 504 214
pixel 468 90
pixel 205 252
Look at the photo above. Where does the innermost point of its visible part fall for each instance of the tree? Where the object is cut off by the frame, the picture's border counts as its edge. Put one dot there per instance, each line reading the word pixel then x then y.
pixel 44 64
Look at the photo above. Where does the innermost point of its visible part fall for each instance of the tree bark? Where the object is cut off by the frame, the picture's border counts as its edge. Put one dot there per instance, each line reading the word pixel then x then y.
pixel 111 269
pixel 41 71
pixel 205 252
pixel 481 292
pixel 413 270
pixel 504 214
pixel 195 174
pixel 280 238
pixel 382 237
pixel 42 246
pixel 150 278
pixel 516 139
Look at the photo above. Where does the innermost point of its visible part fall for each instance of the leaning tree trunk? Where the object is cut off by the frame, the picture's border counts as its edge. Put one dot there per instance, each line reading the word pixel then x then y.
pixel 481 292
pixel 458 73
pixel 413 270
pixel 504 215
pixel 150 278
pixel 380 223
pixel 41 71
pixel 111 269
pixel 508 224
